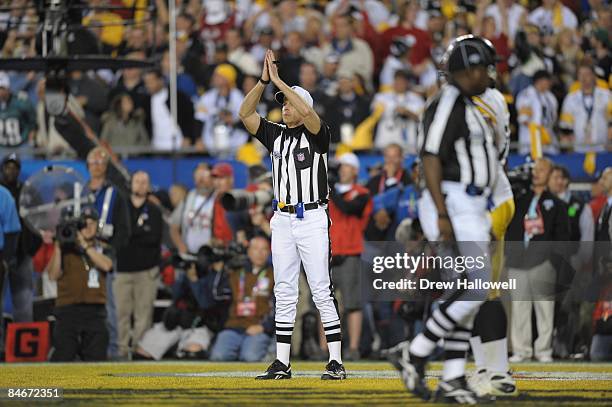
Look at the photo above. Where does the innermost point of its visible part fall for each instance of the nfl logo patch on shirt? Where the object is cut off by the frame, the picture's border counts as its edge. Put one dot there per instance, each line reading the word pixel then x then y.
pixel 276 154
pixel 300 157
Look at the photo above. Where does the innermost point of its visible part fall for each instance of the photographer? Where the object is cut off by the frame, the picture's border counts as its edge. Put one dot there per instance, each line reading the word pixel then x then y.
pixel 135 284
pixel 249 329
pixel 349 211
pixel 80 268
pixel 199 308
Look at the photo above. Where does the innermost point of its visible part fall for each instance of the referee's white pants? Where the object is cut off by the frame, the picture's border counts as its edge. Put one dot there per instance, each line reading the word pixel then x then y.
pixel 471 223
pixel 307 240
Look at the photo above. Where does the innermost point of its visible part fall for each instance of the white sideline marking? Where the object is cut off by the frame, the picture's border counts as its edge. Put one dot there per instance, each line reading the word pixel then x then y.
pixel 384 374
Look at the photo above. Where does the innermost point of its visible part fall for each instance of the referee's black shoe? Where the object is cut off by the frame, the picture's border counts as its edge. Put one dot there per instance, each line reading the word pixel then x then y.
pixel 334 371
pixel 276 371
pixel 412 371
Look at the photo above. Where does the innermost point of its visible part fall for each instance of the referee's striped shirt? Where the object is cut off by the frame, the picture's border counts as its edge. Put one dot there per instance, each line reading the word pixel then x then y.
pixel 299 161
pixel 454 130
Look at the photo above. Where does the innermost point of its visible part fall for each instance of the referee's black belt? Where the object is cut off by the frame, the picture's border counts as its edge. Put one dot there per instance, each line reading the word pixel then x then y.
pixel 307 207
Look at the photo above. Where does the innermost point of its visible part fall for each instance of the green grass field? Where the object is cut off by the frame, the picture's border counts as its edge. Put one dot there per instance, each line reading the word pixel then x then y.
pixel 369 383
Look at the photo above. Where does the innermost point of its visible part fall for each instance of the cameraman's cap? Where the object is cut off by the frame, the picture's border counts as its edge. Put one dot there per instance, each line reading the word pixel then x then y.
pixel 89 212
pixel 222 170
pixel 349 159
pixel 303 93
pixel 12 157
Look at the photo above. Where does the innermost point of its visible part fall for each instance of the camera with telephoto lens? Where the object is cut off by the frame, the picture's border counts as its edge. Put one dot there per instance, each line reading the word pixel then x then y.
pixel 234 256
pixel 240 200
pixel 71 223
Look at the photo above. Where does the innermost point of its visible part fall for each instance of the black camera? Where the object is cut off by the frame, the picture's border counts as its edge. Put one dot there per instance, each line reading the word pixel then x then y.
pixel 234 256
pixel 66 233
pixel 240 200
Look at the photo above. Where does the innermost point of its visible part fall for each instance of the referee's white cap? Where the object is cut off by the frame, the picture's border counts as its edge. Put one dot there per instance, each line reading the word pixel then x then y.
pixel 349 159
pixel 303 93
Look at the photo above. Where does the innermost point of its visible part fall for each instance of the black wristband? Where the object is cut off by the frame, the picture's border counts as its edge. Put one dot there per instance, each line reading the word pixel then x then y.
pixel 264 82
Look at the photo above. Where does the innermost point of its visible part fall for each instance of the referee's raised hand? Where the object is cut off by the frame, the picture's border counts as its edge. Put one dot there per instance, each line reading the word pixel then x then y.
pixel 265 73
pixel 272 68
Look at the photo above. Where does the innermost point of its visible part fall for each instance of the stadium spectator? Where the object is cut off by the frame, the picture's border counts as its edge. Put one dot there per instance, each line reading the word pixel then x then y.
pixel 401 113
pixel 485 27
pixel 264 39
pixel 537 231
pixel 290 58
pixel 582 227
pixel 508 12
pixel 123 125
pixel 184 81
pixel 238 55
pixel 134 40
pixel 17 118
pixel 347 108
pixel 585 115
pixel 249 329
pixel 567 52
pixel 410 14
pixel 289 16
pixel 200 217
pixel 553 15
pixel 165 134
pixel 217 110
pixel 600 42
pixel 349 210
pixel 131 82
pixel 308 79
pixel 401 50
pixel 135 285
pixel 80 271
pixel 193 57
pixel 92 94
pixel 113 219
pixel 392 175
pixel 355 54
pixel 537 115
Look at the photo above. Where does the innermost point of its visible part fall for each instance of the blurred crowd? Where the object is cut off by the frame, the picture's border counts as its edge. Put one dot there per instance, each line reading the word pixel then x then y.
pixel 369 65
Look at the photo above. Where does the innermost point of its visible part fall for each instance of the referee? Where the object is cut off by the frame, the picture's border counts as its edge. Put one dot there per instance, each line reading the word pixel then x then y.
pixel 300 225
pixel 460 163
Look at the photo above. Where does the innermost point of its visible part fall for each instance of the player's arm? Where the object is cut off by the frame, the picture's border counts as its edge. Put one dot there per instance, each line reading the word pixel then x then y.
pixel 310 117
pixel 248 109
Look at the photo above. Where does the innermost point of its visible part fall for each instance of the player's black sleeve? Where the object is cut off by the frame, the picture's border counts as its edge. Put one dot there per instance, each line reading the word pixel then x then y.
pixel 267 133
pixel 321 140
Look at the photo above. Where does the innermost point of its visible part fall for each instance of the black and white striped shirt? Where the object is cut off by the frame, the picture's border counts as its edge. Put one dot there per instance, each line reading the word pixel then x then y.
pixel 454 130
pixel 299 161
